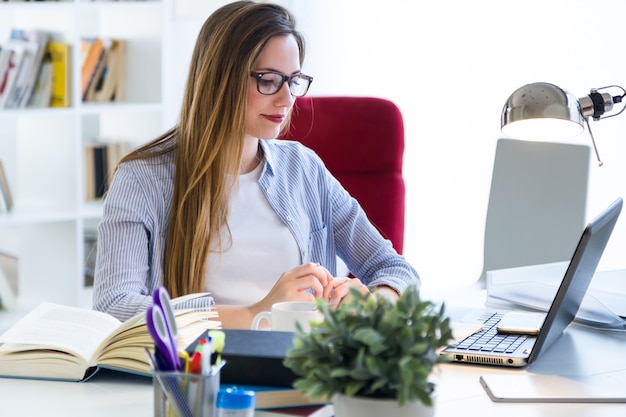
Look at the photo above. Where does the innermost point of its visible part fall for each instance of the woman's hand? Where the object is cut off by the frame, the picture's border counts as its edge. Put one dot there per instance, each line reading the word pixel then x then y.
pixel 302 283
pixel 338 289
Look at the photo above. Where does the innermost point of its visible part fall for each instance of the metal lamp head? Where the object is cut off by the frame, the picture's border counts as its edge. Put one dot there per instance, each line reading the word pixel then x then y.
pixel 541 111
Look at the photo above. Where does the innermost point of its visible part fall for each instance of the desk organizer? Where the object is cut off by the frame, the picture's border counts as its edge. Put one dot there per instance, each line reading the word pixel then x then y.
pixel 180 394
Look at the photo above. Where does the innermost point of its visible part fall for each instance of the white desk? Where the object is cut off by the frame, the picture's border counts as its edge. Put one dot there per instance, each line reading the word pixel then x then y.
pixel 459 391
pixel 107 395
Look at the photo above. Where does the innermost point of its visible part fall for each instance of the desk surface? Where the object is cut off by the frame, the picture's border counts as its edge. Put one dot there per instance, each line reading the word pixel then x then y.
pixel 459 391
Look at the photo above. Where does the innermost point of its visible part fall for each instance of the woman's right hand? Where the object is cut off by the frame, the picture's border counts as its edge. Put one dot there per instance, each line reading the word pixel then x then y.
pixel 302 283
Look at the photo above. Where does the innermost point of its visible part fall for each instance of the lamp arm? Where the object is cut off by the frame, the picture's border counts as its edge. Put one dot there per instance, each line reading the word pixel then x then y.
pixel 593 141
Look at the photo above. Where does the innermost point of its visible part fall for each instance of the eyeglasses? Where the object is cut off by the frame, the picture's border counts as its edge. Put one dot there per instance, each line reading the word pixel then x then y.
pixel 271 82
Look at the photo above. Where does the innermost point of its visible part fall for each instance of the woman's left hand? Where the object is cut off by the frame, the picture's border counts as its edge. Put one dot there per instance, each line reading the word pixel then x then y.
pixel 338 289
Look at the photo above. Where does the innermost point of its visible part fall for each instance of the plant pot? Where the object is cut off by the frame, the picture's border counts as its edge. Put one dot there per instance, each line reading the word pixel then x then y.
pixel 377 407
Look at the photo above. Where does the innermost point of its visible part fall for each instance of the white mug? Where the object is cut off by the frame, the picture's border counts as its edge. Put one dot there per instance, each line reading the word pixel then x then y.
pixel 285 315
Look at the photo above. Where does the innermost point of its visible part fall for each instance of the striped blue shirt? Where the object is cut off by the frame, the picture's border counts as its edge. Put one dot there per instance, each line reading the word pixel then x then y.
pixel 324 219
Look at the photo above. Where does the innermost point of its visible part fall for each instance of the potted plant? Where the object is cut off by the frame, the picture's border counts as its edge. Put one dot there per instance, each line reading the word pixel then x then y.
pixel 374 349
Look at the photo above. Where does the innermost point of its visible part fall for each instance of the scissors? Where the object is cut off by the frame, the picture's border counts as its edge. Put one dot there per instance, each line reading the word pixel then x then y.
pixel 162 299
pixel 162 328
pixel 166 352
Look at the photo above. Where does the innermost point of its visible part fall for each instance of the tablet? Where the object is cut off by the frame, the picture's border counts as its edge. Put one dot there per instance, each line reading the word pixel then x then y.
pixel 534 388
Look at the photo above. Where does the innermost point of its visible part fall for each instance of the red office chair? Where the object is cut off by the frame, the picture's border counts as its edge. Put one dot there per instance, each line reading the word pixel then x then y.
pixel 361 141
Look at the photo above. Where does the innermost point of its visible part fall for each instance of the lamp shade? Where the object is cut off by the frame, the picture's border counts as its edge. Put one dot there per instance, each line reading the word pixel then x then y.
pixel 541 111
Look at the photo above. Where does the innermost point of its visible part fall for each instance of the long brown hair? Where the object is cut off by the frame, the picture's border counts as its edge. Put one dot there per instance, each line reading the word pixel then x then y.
pixel 208 139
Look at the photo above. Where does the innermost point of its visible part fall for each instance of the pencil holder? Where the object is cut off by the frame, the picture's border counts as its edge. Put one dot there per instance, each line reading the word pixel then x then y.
pixel 180 394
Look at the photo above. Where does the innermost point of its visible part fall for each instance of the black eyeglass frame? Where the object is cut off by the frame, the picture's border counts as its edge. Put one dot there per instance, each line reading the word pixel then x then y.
pixel 258 75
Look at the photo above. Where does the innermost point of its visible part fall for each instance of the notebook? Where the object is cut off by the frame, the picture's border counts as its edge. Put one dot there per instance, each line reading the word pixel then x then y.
pixel 492 347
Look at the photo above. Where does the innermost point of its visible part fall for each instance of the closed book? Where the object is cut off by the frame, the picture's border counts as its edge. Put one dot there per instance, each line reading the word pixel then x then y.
pixel 85 46
pixel 5 59
pixel 101 159
pixel 60 58
pixel 100 169
pixel 12 70
pixel 3 204
pixel 5 191
pixel 99 72
pixel 326 410
pixel 255 357
pixel 90 187
pixel 90 66
pixel 42 93
pixel 35 42
pixel 8 280
pixel 110 86
pixel 275 397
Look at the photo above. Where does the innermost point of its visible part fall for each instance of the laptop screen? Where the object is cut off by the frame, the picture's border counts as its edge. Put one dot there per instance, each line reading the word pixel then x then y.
pixel 577 277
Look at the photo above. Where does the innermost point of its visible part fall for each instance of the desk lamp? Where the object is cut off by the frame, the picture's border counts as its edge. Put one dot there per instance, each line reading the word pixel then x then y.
pixel 551 112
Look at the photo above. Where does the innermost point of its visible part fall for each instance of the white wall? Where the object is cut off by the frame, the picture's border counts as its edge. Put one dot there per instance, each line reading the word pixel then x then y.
pixel 450 65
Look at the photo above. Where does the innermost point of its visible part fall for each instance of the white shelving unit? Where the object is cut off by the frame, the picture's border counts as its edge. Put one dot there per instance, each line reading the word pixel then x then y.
pixel 42 149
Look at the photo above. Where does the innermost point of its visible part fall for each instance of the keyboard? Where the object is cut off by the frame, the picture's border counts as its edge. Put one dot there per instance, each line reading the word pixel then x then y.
pixel 489 340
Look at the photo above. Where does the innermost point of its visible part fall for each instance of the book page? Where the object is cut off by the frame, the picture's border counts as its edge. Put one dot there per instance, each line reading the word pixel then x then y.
pixel 127 350
pixel 136 325
pixel 71 329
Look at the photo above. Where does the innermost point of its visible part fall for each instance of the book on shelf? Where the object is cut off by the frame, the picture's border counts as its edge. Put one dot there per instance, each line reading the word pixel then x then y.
pixel 101 158
pixel 59 342
pixel 12 56
pixel 95 79
pixel 34 44
pixel 110 83
pixel 8 280
pixel 60 54
pixel 326 410
pixel 6 56
pixel 90 239
pixel 6 198
pixel 93 53
pixel 106 82
pixel 42 93
pixel 85 46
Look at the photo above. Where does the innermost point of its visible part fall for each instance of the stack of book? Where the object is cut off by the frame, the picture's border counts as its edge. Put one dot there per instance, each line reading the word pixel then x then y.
pixel 103 62
pixel 34 71
pixel 254 361
pixel 101 158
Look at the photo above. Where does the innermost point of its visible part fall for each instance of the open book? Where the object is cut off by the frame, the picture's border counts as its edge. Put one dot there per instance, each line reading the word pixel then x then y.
pixel 69 343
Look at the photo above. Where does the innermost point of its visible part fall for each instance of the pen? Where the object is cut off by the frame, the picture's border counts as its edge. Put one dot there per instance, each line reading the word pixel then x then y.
pixel 184 360
pixel 219 340
pixel 207 355
pixel 195 363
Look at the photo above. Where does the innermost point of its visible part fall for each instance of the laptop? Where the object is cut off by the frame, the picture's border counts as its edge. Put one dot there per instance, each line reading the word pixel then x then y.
pixel 493 347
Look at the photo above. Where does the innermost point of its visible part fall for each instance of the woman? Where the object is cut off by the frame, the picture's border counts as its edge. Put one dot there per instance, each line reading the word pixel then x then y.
pixel 216 204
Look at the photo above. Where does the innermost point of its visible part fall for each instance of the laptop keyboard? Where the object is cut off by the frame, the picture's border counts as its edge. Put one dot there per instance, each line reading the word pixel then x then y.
pixel 489 340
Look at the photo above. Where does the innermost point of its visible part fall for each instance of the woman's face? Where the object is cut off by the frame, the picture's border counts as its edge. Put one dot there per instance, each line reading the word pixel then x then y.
pixel 266 113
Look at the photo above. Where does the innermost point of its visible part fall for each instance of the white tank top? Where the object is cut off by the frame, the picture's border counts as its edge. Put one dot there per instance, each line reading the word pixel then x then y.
pixel 262 247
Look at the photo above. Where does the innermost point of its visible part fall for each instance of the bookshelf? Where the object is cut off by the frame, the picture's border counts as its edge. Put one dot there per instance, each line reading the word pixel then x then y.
pixel 42 149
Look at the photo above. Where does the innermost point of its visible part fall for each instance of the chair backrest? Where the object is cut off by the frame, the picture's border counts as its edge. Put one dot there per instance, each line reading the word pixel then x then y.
pixel 361 141
pixel 537 204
